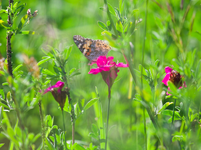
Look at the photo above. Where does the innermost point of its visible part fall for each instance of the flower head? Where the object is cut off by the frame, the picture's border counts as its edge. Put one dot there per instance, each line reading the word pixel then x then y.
pixel 59 95
pixel 174 77
pixel 107 68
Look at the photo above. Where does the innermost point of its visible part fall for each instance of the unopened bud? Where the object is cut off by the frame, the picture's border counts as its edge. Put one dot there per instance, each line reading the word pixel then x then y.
pixel 35 13
pixel 29 12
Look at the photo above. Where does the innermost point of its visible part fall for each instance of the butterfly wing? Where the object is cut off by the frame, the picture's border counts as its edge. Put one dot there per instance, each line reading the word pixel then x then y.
pixel 91 49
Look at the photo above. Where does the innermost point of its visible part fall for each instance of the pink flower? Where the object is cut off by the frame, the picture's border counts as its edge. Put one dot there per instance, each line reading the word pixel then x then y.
pixel 59 95
pixel 107 68
pixel 174 77
pixel 58 85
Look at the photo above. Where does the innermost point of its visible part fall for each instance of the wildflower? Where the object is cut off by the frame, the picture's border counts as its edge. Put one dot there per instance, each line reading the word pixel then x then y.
pixel 107 68
pixel 174 77
pixel 59 95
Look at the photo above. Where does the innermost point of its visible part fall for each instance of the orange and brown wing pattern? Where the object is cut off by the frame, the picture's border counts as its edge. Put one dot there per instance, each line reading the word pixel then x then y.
pixel 91 49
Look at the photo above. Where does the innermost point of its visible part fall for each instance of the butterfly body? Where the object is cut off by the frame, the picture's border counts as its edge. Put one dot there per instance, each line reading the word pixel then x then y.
pixel 91 49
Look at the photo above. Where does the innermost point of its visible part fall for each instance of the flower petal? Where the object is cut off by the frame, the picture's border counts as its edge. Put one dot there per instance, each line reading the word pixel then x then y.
pixel 101 61
pixel 166 79
pixel 168 69
pixel 122 65
pixel 94 71
pixel 59 85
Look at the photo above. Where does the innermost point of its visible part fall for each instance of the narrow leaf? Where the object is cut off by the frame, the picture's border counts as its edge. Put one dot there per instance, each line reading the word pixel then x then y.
pixel 43 61
pixel 71 71
pixel 172 87
pixel 119 26
pixel 1 145
pixel 26 32
pixel 69 52
pixel 17 68
pixel 4 24
pixel 90 103
pixel 22 22
pixel 165 106
pixel 102 25
pixel 2 95
pixel 3 11
pixel 111 9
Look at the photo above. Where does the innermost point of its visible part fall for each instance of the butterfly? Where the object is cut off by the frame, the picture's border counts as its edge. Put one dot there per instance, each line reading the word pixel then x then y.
pixel 91 49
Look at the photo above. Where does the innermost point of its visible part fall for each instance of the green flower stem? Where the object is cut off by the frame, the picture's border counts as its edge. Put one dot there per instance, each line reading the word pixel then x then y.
pixel 72 108
pixel 42 124
pixel 173 111
pixel 110 18
pixel 64 130
pixel 108 114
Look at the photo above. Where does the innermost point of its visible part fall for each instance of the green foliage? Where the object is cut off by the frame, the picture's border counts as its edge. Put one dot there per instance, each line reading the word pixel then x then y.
pixel 142 115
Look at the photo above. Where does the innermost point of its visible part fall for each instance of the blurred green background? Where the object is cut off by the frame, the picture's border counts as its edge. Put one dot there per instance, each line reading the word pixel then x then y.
pixel 59 20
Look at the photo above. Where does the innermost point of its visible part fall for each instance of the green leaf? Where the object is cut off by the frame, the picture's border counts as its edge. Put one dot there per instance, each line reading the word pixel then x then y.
pixel 3 11
pixel 68 52
pixel 109 25
pixel 17 68
pixel 26 32
pixel 4 24
pixel 49 121
pixel 119 26
pixel 48 72
pixel 2 95
pixel 1 145
pixel 121 6
pixel 77 147
pixel 43 61
pixel 173 88
pixel 22 22
pixel 102 25
pixel 106 32
pixel 71 71
pixel 36 137
pixel 165 106
pixel 90 103
pixel 118 14
pixel 96 90
pixel 111 9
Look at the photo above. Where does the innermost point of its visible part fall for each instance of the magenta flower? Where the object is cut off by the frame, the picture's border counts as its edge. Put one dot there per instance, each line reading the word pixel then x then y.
pixel 59 95
pixel 107 68
pixel 174 77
